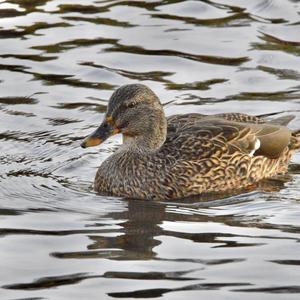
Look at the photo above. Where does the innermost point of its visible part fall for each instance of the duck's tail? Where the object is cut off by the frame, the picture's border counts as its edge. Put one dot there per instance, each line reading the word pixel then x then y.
pixel 283 121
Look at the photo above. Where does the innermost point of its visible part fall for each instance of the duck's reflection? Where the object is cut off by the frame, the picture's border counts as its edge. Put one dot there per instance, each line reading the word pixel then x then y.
pixel 137 239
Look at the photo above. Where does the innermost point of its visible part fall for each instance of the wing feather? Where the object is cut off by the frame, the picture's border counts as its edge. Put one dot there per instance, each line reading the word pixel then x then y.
pixel 196 136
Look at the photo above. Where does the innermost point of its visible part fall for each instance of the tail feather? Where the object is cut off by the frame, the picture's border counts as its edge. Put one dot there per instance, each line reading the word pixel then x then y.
pixel 283 121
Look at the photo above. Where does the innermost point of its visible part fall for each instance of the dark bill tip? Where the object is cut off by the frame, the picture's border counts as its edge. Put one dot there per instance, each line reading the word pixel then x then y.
pixel 82 145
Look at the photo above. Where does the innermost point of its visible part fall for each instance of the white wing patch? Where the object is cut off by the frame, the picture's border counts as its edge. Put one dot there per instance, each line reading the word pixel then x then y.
pixel 256 146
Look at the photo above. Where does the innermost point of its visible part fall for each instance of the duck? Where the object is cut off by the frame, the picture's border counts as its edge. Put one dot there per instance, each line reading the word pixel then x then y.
pixel 185 155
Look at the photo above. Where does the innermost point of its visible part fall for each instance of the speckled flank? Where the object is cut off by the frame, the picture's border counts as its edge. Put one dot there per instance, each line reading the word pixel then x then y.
pixel 187 155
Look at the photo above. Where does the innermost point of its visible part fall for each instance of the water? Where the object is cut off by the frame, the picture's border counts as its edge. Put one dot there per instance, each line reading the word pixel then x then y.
pixel 60 62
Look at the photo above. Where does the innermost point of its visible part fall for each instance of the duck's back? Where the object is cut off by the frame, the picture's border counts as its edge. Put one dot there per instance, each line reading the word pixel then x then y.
pixel 224 152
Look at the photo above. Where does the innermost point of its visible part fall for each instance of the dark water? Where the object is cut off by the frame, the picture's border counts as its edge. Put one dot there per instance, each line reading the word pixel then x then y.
pixel 60 62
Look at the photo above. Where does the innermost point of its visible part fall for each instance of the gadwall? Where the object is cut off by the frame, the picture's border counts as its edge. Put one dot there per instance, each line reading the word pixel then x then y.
pixel 185 155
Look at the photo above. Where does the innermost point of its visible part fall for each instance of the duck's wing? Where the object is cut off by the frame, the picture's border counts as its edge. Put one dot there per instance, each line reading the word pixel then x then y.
pixel 212 137
pixel 238 117
pixel 244 118
pixel 177 121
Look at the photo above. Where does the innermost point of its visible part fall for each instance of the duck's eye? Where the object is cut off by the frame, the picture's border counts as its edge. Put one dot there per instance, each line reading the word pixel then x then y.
pixel 131 105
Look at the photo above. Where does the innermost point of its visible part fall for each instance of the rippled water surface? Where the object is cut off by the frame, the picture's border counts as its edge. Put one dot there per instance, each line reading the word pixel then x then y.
pixel 60 60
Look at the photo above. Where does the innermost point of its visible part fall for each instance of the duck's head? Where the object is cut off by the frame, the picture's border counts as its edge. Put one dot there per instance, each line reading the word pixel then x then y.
pixel 135 111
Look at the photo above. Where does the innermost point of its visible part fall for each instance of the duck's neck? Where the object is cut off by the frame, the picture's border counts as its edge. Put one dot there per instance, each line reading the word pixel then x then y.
pixel 152 138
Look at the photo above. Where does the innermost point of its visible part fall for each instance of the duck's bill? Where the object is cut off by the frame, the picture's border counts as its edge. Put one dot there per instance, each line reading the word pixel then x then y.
pixel 99 135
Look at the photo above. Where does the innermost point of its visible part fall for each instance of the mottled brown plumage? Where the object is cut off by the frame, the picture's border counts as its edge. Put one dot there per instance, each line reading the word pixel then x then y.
pixel 186 155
